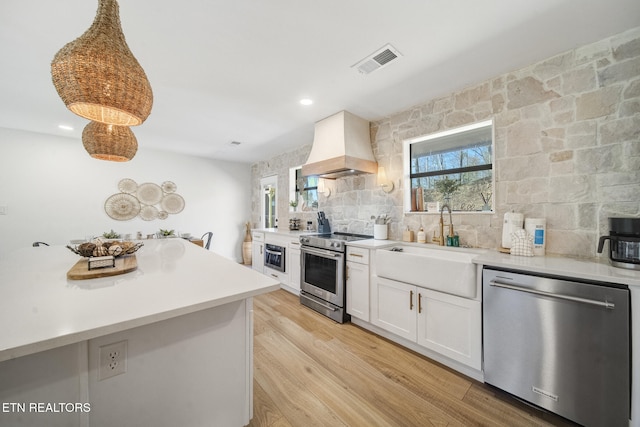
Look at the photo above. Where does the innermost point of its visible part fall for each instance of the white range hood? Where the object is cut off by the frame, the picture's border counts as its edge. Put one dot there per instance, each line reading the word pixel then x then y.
pixel 341 147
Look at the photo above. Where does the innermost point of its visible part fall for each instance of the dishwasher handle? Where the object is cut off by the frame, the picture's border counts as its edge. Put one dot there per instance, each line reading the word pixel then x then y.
pixel 605 304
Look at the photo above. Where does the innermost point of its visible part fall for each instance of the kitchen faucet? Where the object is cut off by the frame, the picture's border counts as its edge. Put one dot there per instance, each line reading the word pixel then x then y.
pixel 440 239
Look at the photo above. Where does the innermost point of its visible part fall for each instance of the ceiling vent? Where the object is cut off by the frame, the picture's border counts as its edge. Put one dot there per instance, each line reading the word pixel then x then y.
pixel 378 59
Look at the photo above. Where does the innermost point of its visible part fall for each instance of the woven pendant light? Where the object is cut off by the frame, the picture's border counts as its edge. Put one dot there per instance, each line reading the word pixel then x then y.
pixel 109 142
pixel 98 77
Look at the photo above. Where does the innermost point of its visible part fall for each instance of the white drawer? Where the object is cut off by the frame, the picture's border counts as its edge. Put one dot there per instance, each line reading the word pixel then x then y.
pixel 276 239
pixel 359 255
pixel 257 237
pixel 278 275
pixel 294 244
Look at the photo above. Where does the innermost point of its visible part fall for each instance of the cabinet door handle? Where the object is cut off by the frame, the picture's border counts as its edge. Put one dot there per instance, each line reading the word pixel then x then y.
pixel 410 300
pixel 419 302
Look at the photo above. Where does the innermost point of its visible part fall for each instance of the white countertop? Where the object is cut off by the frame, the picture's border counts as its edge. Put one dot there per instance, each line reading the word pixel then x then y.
pixel 589 269
pixel 41 309
pixel 380 244
pixel 284 231
pixel 599 270
pixel 372 243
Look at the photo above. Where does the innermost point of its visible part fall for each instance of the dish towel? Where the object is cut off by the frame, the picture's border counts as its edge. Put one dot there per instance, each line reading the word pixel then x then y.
pixel 521 243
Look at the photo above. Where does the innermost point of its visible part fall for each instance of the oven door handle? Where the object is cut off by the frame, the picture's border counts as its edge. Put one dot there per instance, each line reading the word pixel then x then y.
pixel 269 251
pixel 320 252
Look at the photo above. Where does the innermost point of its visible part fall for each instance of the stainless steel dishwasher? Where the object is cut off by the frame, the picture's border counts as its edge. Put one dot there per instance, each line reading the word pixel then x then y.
pixel 561 344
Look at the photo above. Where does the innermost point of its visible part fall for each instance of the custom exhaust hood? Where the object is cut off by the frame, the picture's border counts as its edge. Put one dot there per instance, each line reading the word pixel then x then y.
pixel 341 147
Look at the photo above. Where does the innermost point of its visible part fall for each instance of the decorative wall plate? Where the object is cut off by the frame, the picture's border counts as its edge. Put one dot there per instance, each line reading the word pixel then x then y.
pixel 122 206
pixel 148 213
pixel 149 201
pixel 169 187
pixel 172 203
pixel 127 185
pixel 149 193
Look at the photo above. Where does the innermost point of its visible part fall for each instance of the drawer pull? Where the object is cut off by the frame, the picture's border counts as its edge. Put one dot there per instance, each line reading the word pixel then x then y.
pixel 356 255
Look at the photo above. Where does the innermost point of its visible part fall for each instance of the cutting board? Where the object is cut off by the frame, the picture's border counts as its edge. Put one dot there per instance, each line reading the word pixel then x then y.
pixel 80 270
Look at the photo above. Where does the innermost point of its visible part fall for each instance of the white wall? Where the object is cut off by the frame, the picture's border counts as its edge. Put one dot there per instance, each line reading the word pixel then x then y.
pixel 567 148
pixel 54 191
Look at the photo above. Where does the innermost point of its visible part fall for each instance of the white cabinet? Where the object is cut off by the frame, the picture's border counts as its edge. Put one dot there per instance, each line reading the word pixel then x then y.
pixel 257 251
pixel 290 277
pixel 394 307
pixel 358 282
pixel 451 326
pixel 293 265
pixel 447 324
pixel 281 240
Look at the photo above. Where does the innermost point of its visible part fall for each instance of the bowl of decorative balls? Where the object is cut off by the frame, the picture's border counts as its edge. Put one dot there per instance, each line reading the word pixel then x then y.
pixel 100 248
pixel 101 254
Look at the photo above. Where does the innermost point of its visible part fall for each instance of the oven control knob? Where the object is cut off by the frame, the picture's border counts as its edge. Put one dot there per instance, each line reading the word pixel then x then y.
pixel 335 245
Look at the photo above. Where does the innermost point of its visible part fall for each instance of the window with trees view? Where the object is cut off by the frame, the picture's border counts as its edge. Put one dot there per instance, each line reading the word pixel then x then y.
pixel 454 167
pixel 303 191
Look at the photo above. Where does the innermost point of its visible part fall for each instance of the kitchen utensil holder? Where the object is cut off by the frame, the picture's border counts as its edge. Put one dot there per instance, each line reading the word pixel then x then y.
pixel 380 231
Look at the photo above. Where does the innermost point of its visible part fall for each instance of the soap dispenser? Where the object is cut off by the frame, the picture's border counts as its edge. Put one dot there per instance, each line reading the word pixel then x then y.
pixel 407 235
pixel 422 236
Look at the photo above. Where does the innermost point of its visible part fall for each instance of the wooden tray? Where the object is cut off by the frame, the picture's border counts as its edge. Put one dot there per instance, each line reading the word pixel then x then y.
pixel 124 264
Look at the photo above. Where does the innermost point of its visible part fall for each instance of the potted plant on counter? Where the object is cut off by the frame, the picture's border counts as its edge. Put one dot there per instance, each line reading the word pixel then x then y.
pixel 163 234
pixel 111 234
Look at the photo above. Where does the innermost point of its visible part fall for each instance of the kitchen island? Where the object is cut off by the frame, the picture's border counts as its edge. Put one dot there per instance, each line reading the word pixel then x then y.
pixel 185 316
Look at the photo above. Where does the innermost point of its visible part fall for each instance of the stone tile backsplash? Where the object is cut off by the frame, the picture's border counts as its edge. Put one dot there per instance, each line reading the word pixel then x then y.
pixel 567 148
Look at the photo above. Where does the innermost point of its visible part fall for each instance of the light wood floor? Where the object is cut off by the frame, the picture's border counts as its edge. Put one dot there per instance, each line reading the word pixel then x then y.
pixel 311 371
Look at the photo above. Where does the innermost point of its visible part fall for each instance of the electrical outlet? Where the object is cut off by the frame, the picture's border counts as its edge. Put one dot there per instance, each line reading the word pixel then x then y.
pixel 112 360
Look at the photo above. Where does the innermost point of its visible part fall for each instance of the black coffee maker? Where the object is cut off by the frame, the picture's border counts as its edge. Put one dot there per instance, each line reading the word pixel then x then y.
pixel 624 242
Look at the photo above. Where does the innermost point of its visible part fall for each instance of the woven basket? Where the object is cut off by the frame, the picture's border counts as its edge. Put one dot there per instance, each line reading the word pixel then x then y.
pixel 98 77
pixel 109 142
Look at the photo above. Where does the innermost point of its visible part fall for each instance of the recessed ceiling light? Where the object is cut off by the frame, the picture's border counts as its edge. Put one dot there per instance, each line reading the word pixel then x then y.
pixel 65 127
pixel 306 101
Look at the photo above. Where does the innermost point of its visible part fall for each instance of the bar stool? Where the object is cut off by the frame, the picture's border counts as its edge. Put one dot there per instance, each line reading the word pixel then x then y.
pixel 206 238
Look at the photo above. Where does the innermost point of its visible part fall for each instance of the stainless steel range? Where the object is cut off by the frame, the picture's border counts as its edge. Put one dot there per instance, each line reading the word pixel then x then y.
pixel 322 281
